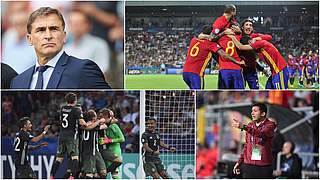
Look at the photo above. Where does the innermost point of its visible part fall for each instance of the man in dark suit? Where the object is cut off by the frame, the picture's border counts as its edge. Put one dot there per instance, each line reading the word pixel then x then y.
pixel 54 69
pixel 7 74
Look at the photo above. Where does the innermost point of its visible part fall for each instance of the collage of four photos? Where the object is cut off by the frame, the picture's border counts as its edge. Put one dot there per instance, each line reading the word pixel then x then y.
pixel 159 89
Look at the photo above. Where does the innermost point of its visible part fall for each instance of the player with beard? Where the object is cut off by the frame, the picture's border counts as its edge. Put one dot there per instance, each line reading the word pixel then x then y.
pixel 152 164
pixel 21 147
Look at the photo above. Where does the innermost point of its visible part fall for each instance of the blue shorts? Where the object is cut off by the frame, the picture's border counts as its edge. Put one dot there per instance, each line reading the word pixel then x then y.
pixel 292 71
pixel 251 77
pixel 279 80
pixel 194 81
pixel 230 79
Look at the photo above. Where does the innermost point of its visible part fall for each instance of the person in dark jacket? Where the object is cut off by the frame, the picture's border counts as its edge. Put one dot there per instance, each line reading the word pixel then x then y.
pixel 290 163
pixel 7 74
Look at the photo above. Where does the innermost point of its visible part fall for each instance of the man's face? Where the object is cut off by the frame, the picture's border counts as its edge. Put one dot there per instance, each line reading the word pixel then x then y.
pixel 28 126
pixel 256 113
pixel 78 24
pixel 286 148
pixel 47 35
pixel 247 28
pixel 151 125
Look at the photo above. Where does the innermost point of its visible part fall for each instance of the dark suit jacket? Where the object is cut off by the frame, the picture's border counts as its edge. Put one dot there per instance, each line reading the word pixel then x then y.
pixel 7 74
pixel 69 73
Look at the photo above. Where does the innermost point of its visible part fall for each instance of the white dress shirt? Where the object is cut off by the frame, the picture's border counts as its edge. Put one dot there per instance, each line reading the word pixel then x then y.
pixel 47 74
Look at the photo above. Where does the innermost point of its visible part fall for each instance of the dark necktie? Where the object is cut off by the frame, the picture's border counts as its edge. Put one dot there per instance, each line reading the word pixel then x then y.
pixel 41 70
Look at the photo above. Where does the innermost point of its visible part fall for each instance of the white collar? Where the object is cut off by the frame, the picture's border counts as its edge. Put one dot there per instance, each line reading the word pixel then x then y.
pixel 52 62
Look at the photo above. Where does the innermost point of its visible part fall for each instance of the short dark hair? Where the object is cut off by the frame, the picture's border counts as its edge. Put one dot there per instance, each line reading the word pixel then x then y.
pixel 70 97
pixel 262 107
pixel 151 119
pixel 293 146
pixel 43 11
pixel 89 115
pixel 23 121
pixel 206 29
pixel 229 8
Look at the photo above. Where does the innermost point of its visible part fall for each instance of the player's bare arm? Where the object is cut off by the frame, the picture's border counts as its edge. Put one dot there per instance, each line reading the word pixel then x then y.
pixel 163 145
pixel 87 126
pixel 227 56
pixel 39 137
pixel 239 45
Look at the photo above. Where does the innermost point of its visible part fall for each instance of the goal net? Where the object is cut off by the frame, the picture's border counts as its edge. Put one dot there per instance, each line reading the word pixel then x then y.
pixel 175 115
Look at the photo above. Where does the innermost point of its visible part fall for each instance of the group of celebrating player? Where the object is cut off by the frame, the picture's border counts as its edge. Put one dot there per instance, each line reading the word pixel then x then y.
pixel 93 152
pixel 307 67
pixel 239 51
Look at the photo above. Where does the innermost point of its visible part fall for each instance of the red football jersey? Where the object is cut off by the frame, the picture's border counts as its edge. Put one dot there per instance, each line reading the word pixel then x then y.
pixel 271 55
pixel 220 24
pixel 199 54
pixel 230 48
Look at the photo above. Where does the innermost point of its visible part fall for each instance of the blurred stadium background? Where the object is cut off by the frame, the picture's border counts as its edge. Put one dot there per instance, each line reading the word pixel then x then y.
pixel 43 108
pixel 219 145
pixel 158 35
pixel 94 31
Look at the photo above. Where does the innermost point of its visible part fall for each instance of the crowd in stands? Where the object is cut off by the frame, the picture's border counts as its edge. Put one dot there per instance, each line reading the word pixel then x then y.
pixel 44 107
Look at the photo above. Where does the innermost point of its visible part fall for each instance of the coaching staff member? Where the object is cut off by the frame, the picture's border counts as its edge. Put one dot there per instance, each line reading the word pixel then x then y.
pixel 54 69
pixel 256 158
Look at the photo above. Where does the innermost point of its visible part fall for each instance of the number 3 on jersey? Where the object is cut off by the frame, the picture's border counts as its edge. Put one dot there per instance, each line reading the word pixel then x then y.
pixel 65 120
pixel 194 50
pixel 230 48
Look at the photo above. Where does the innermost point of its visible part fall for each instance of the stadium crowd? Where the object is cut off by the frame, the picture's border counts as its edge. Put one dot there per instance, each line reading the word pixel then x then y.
pixel 43 108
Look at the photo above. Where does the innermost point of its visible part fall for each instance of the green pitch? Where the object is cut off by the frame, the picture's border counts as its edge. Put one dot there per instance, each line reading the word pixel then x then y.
pixel 165 81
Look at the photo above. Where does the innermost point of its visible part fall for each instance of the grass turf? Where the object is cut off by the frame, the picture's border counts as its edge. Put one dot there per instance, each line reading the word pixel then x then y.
pixel 164 81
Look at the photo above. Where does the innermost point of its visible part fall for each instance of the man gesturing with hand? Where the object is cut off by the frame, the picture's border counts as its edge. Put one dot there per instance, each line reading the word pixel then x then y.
pixel 256 158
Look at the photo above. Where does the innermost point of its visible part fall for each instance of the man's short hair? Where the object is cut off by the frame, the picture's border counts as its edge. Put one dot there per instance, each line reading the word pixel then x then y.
pixel 89 115
pixel 262 107
pixel 43 11
pixel 70 97
pixel 206 29
pixel 23 121
pixel 151 119
pixel 229 8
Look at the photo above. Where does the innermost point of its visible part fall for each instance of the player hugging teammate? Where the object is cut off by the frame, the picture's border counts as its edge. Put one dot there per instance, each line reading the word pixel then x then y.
pixel 93 152
pixel 242 44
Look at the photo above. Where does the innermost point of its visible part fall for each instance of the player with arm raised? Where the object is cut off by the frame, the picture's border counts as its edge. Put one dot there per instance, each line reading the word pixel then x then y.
pixel 199 55
pixel 152 164
pixel 109 143
pixel 21 147
pixel 68 142
pixel 280 74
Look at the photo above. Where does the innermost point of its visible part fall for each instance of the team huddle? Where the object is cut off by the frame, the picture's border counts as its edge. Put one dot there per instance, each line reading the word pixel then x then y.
pixel 306 67
pixel 241 54
pixel 90 141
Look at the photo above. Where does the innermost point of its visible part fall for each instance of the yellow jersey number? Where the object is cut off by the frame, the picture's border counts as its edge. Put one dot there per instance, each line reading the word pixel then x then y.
pixel 230 48
pixel 194 50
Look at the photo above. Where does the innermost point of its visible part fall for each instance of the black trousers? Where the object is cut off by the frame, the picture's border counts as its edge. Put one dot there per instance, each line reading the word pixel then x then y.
pixel 256 172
